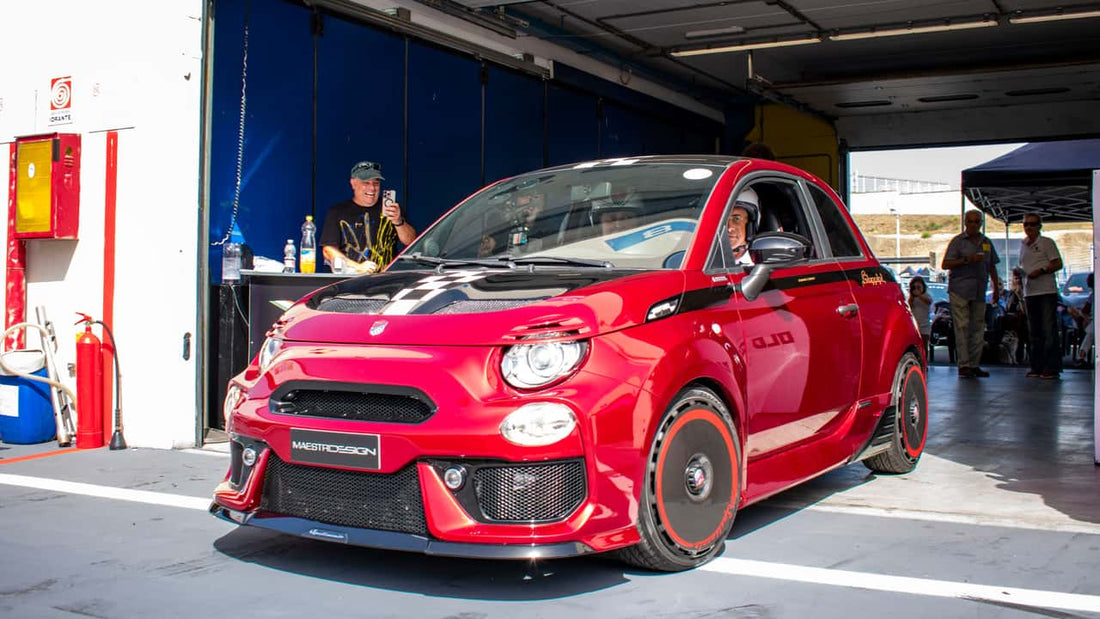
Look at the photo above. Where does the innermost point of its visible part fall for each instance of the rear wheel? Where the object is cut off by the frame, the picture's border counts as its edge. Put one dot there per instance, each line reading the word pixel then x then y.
pixel 692 485
pixel 910 410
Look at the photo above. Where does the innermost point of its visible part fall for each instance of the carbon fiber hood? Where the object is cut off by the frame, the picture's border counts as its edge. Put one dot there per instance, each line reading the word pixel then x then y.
pixel 477 306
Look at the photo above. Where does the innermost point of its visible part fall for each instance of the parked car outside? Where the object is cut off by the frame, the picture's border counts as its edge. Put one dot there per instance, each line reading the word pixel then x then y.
pixel 1075 290
pixel 538 384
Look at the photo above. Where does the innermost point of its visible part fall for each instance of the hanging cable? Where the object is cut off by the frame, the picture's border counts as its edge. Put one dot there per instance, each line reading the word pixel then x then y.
pixel 240 130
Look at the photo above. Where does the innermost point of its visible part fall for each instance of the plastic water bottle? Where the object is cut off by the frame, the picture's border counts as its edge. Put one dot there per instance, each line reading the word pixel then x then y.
pixel 309 246
pixel 231 262
pixel 290 257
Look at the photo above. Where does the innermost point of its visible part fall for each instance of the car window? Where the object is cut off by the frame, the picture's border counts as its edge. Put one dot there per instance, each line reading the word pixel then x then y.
pixel 632 215
pixel 780 210
pixel 1076 283
pixel 841 239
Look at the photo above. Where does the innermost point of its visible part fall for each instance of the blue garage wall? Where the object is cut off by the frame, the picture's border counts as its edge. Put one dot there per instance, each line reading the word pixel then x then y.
pixel 360 108
pixel 664 137
pixel 573 126
pixel 444 142
pixel 513 124
pixel 629 110
pixel 276 178
pixel 444 153
pixel 622 132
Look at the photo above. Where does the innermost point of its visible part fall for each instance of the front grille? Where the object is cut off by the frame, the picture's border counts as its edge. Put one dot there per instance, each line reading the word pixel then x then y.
pixel 387 502
pixel 351 305
pixel 351 405
pixel 479 306
pixel 537 492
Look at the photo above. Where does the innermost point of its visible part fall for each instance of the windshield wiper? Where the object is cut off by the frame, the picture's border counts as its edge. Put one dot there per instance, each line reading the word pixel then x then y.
pixel 441 263
pixel 580 262
pixel 507 261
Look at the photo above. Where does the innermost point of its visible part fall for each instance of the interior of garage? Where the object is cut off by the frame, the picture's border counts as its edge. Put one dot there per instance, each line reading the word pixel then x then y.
pixel 327 83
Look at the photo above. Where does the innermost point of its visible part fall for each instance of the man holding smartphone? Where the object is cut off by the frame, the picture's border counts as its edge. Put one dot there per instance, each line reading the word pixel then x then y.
pixel 360 235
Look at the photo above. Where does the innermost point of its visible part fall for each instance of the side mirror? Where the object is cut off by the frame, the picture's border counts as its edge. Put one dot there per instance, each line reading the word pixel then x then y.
pixel 780 249
pixel 769 251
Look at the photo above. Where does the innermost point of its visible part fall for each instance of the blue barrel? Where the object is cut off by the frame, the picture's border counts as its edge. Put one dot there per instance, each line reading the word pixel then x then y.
pixel 26 413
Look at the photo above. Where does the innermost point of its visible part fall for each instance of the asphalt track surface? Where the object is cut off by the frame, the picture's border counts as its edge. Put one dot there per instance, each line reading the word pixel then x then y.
pixel 1001 519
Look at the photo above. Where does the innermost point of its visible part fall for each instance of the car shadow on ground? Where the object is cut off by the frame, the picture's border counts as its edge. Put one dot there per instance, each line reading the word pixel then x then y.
pixel 473 579
pixel 795 500
pixel 470 579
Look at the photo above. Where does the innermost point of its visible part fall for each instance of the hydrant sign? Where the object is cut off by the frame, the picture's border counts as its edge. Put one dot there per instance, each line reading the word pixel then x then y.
pixel 61 100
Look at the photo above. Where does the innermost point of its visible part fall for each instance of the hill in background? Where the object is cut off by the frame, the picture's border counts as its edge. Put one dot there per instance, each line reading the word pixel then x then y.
pixel 923 234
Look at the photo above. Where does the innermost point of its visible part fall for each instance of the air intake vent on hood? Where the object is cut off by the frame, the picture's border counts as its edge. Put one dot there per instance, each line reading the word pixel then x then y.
pixel 479 306
pixel 566 327
pixel 351 305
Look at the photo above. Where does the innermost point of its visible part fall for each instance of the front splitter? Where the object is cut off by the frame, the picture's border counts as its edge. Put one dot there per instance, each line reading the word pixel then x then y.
pixel 390 540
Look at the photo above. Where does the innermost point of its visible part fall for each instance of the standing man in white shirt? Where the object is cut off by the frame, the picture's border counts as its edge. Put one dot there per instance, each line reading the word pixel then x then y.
pixel 1040 260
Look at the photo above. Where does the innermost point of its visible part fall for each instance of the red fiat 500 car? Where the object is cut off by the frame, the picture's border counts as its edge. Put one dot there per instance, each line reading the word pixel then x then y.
pixel 580 360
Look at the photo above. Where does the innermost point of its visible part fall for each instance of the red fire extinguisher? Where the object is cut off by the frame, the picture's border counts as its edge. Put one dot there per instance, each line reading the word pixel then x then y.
pixel 89 387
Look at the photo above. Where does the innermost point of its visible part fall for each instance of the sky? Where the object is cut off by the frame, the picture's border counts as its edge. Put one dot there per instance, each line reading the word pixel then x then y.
pixel 941 165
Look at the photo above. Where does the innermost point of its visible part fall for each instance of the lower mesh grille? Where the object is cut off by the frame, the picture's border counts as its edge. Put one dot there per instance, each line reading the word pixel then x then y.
pixel 536 492
pixel 387 502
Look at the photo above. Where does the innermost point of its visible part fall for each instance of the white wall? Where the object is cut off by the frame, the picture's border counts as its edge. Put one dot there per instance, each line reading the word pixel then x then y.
pixel 932 203
pixel 135 67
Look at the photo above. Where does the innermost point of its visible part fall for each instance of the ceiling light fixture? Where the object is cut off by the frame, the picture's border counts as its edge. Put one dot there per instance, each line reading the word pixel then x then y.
pixel 893 32
pixel 740 47
pixel 1032 19
pixel 714 32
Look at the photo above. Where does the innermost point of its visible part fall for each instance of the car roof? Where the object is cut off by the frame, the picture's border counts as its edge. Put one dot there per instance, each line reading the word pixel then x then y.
pixel 720 160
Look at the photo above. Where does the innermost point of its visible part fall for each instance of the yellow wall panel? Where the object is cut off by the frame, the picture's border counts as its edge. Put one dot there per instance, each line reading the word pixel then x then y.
pixel 798 139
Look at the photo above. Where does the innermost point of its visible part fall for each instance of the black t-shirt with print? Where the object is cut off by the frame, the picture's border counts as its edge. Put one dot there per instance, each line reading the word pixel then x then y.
pixel 361 233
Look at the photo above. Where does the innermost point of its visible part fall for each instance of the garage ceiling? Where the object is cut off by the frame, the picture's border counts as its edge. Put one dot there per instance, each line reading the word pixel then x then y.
pixel 834 58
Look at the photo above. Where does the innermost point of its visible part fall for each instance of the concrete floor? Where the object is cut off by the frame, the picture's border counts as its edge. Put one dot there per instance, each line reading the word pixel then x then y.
pixel 1000 519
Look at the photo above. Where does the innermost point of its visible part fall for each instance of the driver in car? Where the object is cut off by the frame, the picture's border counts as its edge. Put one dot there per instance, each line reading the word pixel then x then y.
pixel 741 224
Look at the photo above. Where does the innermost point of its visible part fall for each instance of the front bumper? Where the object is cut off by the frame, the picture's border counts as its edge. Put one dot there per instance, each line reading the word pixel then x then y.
pixel 463 430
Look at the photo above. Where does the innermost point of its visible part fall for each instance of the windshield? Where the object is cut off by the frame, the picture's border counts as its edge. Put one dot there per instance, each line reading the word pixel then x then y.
pixel 619 213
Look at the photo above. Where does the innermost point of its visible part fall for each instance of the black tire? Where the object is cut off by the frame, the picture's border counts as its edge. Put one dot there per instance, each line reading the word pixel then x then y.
pixel 910 411
pixel 692 485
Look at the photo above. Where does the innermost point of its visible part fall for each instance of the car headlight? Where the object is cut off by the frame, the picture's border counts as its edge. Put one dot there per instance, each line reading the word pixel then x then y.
pixel 270 348
pixel 233 397
pixel 537 424
pixel 528 366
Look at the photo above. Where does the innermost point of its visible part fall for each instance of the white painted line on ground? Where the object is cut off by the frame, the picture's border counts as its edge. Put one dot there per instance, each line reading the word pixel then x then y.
pixel 908 514
pixel 1033 598
pixel 106 492
pixel 207 452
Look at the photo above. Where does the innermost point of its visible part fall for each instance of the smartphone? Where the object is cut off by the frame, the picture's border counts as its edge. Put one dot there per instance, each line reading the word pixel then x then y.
pixel 389 196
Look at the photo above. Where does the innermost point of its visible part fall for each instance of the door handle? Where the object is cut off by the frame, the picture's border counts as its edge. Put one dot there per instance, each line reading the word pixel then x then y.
pixel 848 311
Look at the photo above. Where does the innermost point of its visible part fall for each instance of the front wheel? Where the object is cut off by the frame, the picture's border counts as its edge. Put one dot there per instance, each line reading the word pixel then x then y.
pixel 692 485
pixel 910 409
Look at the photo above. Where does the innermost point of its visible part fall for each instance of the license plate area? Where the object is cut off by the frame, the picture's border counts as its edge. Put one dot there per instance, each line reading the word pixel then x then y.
pixel 346 449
